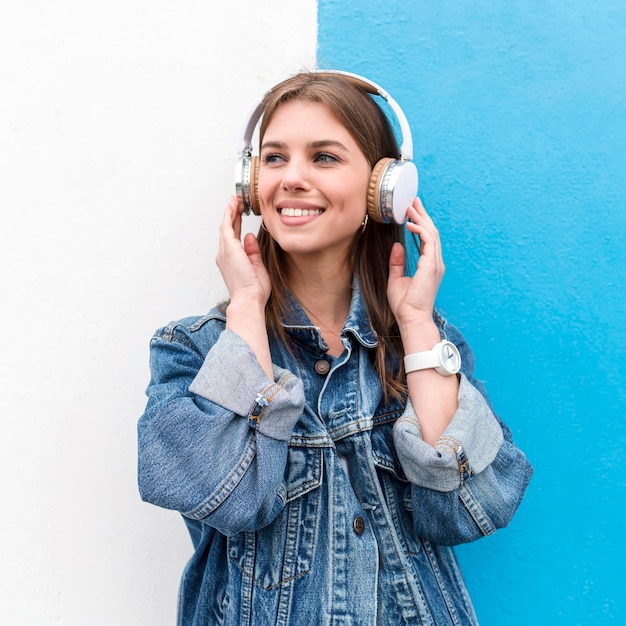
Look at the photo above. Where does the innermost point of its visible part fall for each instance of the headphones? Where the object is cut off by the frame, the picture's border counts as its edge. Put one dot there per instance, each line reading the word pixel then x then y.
pixel 393 182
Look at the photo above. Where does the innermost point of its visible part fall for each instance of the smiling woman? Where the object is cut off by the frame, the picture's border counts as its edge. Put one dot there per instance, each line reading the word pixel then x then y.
pixel 322 432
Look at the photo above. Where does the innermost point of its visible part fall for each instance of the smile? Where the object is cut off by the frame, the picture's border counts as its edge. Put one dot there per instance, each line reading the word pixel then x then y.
pixel 291 212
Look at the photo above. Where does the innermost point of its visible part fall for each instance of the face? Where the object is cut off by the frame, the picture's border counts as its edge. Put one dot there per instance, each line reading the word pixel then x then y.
pixel 313 181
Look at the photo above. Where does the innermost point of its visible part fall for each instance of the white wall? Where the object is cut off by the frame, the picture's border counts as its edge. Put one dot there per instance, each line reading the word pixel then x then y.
pixel 119 123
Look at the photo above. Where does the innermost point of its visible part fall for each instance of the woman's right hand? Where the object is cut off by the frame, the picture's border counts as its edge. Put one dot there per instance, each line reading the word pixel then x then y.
pixel 248 283
pixel 241 266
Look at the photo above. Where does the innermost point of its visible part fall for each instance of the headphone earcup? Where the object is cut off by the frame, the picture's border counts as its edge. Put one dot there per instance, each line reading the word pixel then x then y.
pixel 373 190
pixel 242 184
pixel 255 203
pixel 391 190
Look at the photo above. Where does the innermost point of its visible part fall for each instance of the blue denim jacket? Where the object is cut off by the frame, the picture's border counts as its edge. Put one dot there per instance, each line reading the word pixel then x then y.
pixel 308 499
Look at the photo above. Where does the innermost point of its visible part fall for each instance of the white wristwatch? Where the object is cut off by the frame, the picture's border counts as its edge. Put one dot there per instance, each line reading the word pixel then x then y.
pixel 444 358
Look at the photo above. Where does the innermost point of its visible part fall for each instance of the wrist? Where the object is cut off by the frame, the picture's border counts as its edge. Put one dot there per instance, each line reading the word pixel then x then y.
pixel 419 336
pixel 245 305
pixel 247 319
pixel 245 312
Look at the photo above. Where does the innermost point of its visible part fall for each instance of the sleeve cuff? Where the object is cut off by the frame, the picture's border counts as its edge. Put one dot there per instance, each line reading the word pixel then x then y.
pixel 468 446
pixel 232 377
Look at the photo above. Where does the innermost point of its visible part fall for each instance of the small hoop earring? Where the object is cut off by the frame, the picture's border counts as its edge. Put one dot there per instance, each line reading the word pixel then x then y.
pixel 264 227
pixel 364 223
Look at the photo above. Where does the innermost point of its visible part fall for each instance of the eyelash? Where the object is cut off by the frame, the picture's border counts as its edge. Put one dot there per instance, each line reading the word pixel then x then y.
pixel 320 157
pixel 326 155
pixel 270 158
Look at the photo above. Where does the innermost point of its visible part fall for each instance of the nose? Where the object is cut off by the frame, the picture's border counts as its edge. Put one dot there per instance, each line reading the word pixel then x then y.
pixel 295 175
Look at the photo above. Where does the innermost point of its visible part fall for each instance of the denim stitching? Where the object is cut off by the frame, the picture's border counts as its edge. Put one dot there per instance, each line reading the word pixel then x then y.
pixel 227 485
pixel 476 511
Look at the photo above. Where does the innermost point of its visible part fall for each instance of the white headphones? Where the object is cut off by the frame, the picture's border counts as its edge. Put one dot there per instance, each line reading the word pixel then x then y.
pixel 393 182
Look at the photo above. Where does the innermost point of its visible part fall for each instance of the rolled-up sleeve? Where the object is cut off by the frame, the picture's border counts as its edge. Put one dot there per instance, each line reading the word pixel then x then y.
pixel 230 376
pixel 213 438
pixel 471 482
pixel 469 444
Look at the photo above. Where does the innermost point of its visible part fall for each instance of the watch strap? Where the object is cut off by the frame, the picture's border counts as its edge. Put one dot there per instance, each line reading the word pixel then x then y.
pixel 421 361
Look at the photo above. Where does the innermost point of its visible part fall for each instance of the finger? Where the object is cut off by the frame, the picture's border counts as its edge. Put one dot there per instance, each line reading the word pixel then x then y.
pixel 422 224
pixel 253 250
pixel 430 253
pixel 251 246
pixel 227 218
pixel 396 261
pixel 230 228
pixel 233 205
pixel 228 235
pixel 420 215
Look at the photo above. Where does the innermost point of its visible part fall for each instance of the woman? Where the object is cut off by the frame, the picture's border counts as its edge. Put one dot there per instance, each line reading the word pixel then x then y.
pixel 320 483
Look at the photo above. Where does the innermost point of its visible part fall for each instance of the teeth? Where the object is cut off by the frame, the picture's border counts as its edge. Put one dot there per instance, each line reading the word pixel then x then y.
pixel 291 212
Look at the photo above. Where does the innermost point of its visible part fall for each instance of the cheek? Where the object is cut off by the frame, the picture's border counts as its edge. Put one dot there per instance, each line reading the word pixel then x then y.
pixel 266 186
pixel 359 193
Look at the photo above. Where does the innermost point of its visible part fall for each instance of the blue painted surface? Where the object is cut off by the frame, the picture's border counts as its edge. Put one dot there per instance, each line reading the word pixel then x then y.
pixel 518 112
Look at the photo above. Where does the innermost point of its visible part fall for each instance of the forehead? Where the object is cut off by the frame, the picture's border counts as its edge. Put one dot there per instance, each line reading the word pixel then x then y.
pixel 303 117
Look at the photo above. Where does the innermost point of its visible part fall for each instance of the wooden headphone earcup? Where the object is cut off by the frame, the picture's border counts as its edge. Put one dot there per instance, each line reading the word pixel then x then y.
pixel 373 190
pixel 254 186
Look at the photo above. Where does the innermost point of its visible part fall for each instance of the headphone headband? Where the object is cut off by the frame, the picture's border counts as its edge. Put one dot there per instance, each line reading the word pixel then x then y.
pixel 406 149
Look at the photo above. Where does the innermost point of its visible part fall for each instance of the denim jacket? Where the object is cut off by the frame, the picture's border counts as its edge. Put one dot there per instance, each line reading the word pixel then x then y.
pixel 309 500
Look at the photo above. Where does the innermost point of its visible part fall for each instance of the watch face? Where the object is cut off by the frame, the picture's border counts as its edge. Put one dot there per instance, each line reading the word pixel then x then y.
pixel 450 357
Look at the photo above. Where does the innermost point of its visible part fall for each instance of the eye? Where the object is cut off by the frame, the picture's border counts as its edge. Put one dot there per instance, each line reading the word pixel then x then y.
pixel 271 157
pixel 325 157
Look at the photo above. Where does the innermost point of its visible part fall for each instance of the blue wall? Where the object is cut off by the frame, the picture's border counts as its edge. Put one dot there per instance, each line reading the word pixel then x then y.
pixel 518 113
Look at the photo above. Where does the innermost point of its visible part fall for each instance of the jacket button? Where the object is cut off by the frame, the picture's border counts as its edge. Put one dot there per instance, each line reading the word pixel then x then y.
pixel 322 367
pixel 358 525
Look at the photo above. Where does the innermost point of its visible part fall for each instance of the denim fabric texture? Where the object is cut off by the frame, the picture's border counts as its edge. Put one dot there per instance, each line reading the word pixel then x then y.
pixel 282 533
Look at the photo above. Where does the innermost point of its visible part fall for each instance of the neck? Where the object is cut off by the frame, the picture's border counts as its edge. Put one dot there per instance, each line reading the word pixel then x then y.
pixel 325 293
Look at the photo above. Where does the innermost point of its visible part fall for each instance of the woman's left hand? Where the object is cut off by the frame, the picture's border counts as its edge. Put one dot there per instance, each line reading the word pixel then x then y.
pixel 412 300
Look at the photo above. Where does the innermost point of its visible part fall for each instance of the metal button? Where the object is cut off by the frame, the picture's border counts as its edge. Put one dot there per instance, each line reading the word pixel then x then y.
pixel 322 367
pixel 358 525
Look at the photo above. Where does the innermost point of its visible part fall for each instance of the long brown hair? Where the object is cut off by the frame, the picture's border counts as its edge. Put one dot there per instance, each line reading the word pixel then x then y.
pixel 368 124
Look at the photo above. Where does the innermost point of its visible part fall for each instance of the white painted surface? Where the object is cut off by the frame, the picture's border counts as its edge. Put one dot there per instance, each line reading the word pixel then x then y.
pixel 119 124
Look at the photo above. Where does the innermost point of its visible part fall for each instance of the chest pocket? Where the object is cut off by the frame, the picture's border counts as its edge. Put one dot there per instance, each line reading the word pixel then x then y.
pixel 284 550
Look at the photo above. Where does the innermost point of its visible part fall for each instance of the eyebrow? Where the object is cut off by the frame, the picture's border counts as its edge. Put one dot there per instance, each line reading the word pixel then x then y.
pixel 322 143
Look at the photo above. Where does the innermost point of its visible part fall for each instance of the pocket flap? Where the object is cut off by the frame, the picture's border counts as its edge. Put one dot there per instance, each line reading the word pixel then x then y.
pixel 304 470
